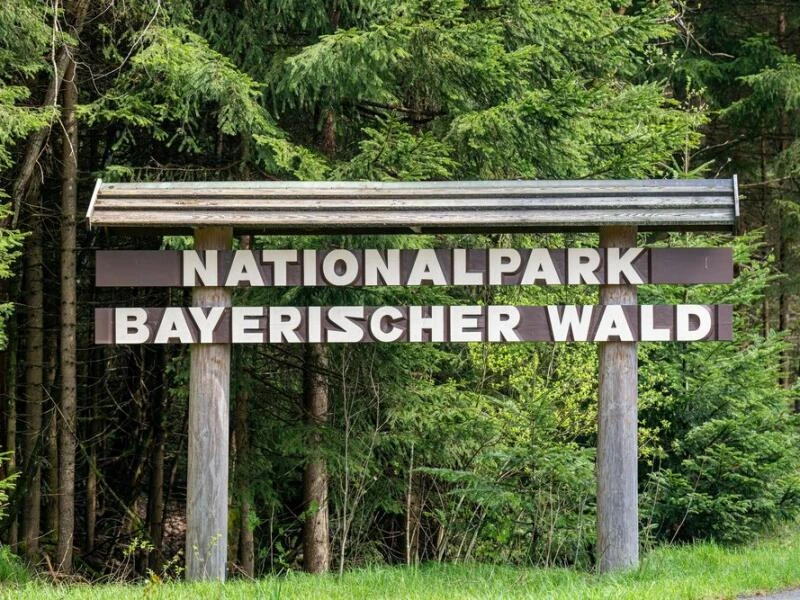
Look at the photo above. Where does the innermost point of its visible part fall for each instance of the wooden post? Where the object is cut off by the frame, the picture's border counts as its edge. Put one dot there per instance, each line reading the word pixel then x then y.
pixel 617 420
pixel 207 481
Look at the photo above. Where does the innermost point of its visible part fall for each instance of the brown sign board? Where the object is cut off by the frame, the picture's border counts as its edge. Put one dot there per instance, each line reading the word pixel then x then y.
pixel 353 324
pixel 342 267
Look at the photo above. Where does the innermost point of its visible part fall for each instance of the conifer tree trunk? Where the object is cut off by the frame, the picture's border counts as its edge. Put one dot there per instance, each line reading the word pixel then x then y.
pixel 11 415
pixel 96 364
pixel 316 530
pixel 247 554
pixel 316 537
pixel 34 386
pixel 51 501
pixel 413 513
pixel 155 504
pixel 246 542
pixel 67 433
pixel 91 500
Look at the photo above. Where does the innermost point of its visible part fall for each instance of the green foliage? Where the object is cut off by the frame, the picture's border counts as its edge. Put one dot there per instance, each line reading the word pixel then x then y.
pixel 516 89
pixel 12 570
pixel 486 450
pixel 723 448
pixel 742 65
pixel 20 57
pixel 10 250
pixel 394 152
pixel 24 36
pixel 172 87
pixel 17 121
pixel 6 484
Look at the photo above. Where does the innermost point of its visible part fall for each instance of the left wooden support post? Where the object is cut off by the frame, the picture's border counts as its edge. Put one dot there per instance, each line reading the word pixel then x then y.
pixel 209 392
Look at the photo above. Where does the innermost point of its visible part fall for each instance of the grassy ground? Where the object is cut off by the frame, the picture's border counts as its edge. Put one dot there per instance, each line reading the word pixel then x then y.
pixel 698 571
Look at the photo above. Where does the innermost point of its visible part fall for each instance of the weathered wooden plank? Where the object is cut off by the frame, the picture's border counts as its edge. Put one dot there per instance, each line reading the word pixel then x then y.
pixel 207 477
pixel 411 204
pixel 458 195
pixel 617 454
pixel 519 218
pixel 325 188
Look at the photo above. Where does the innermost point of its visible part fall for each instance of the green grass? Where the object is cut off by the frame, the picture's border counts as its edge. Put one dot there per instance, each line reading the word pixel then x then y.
pixel 12 570
pixel 696 571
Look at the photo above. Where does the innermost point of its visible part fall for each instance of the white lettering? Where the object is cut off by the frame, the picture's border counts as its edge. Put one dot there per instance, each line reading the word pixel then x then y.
pixel 649 332
pixel 501 323
pixel 329 267
pixel 461 276
pixel 464 324
pixel 613 324
pixel 375 267
pixel 283 324
pixel 618 265
pixel 173 324
pixel 426 268
pixel 383 314
pixel 417 323
pixel 244 268
pixel 570 322
pixel 683 318
pixel 244 325
pixel 502 261
pixel 206 323
pixel 314 325
pixel 127 319
pixel 280 260
pixel 540 266
pixel 343 318
pixel 581 265
pixel 195 267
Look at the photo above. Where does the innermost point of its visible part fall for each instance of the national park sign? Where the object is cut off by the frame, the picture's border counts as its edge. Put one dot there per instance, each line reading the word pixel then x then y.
pixel 216 212
pixel 352 324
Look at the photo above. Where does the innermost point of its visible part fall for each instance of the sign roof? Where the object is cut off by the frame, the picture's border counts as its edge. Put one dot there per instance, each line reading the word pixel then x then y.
pixel 272 207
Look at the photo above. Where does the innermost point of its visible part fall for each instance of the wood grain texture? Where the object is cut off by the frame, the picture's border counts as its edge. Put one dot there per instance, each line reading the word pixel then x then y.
pixel 399 202
pixel 617 421
pixel 311 207
pixel 207 479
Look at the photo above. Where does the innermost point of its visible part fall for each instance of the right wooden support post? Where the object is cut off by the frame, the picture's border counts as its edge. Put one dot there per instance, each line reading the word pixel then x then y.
pixel 617 424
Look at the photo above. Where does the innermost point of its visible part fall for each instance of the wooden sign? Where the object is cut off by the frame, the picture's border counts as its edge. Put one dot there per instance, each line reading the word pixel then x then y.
pixel 343 267
pixel 214 211
pixel 355 324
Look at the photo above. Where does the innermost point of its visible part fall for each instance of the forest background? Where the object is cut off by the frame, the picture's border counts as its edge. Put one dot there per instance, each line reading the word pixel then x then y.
pixel 346 456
